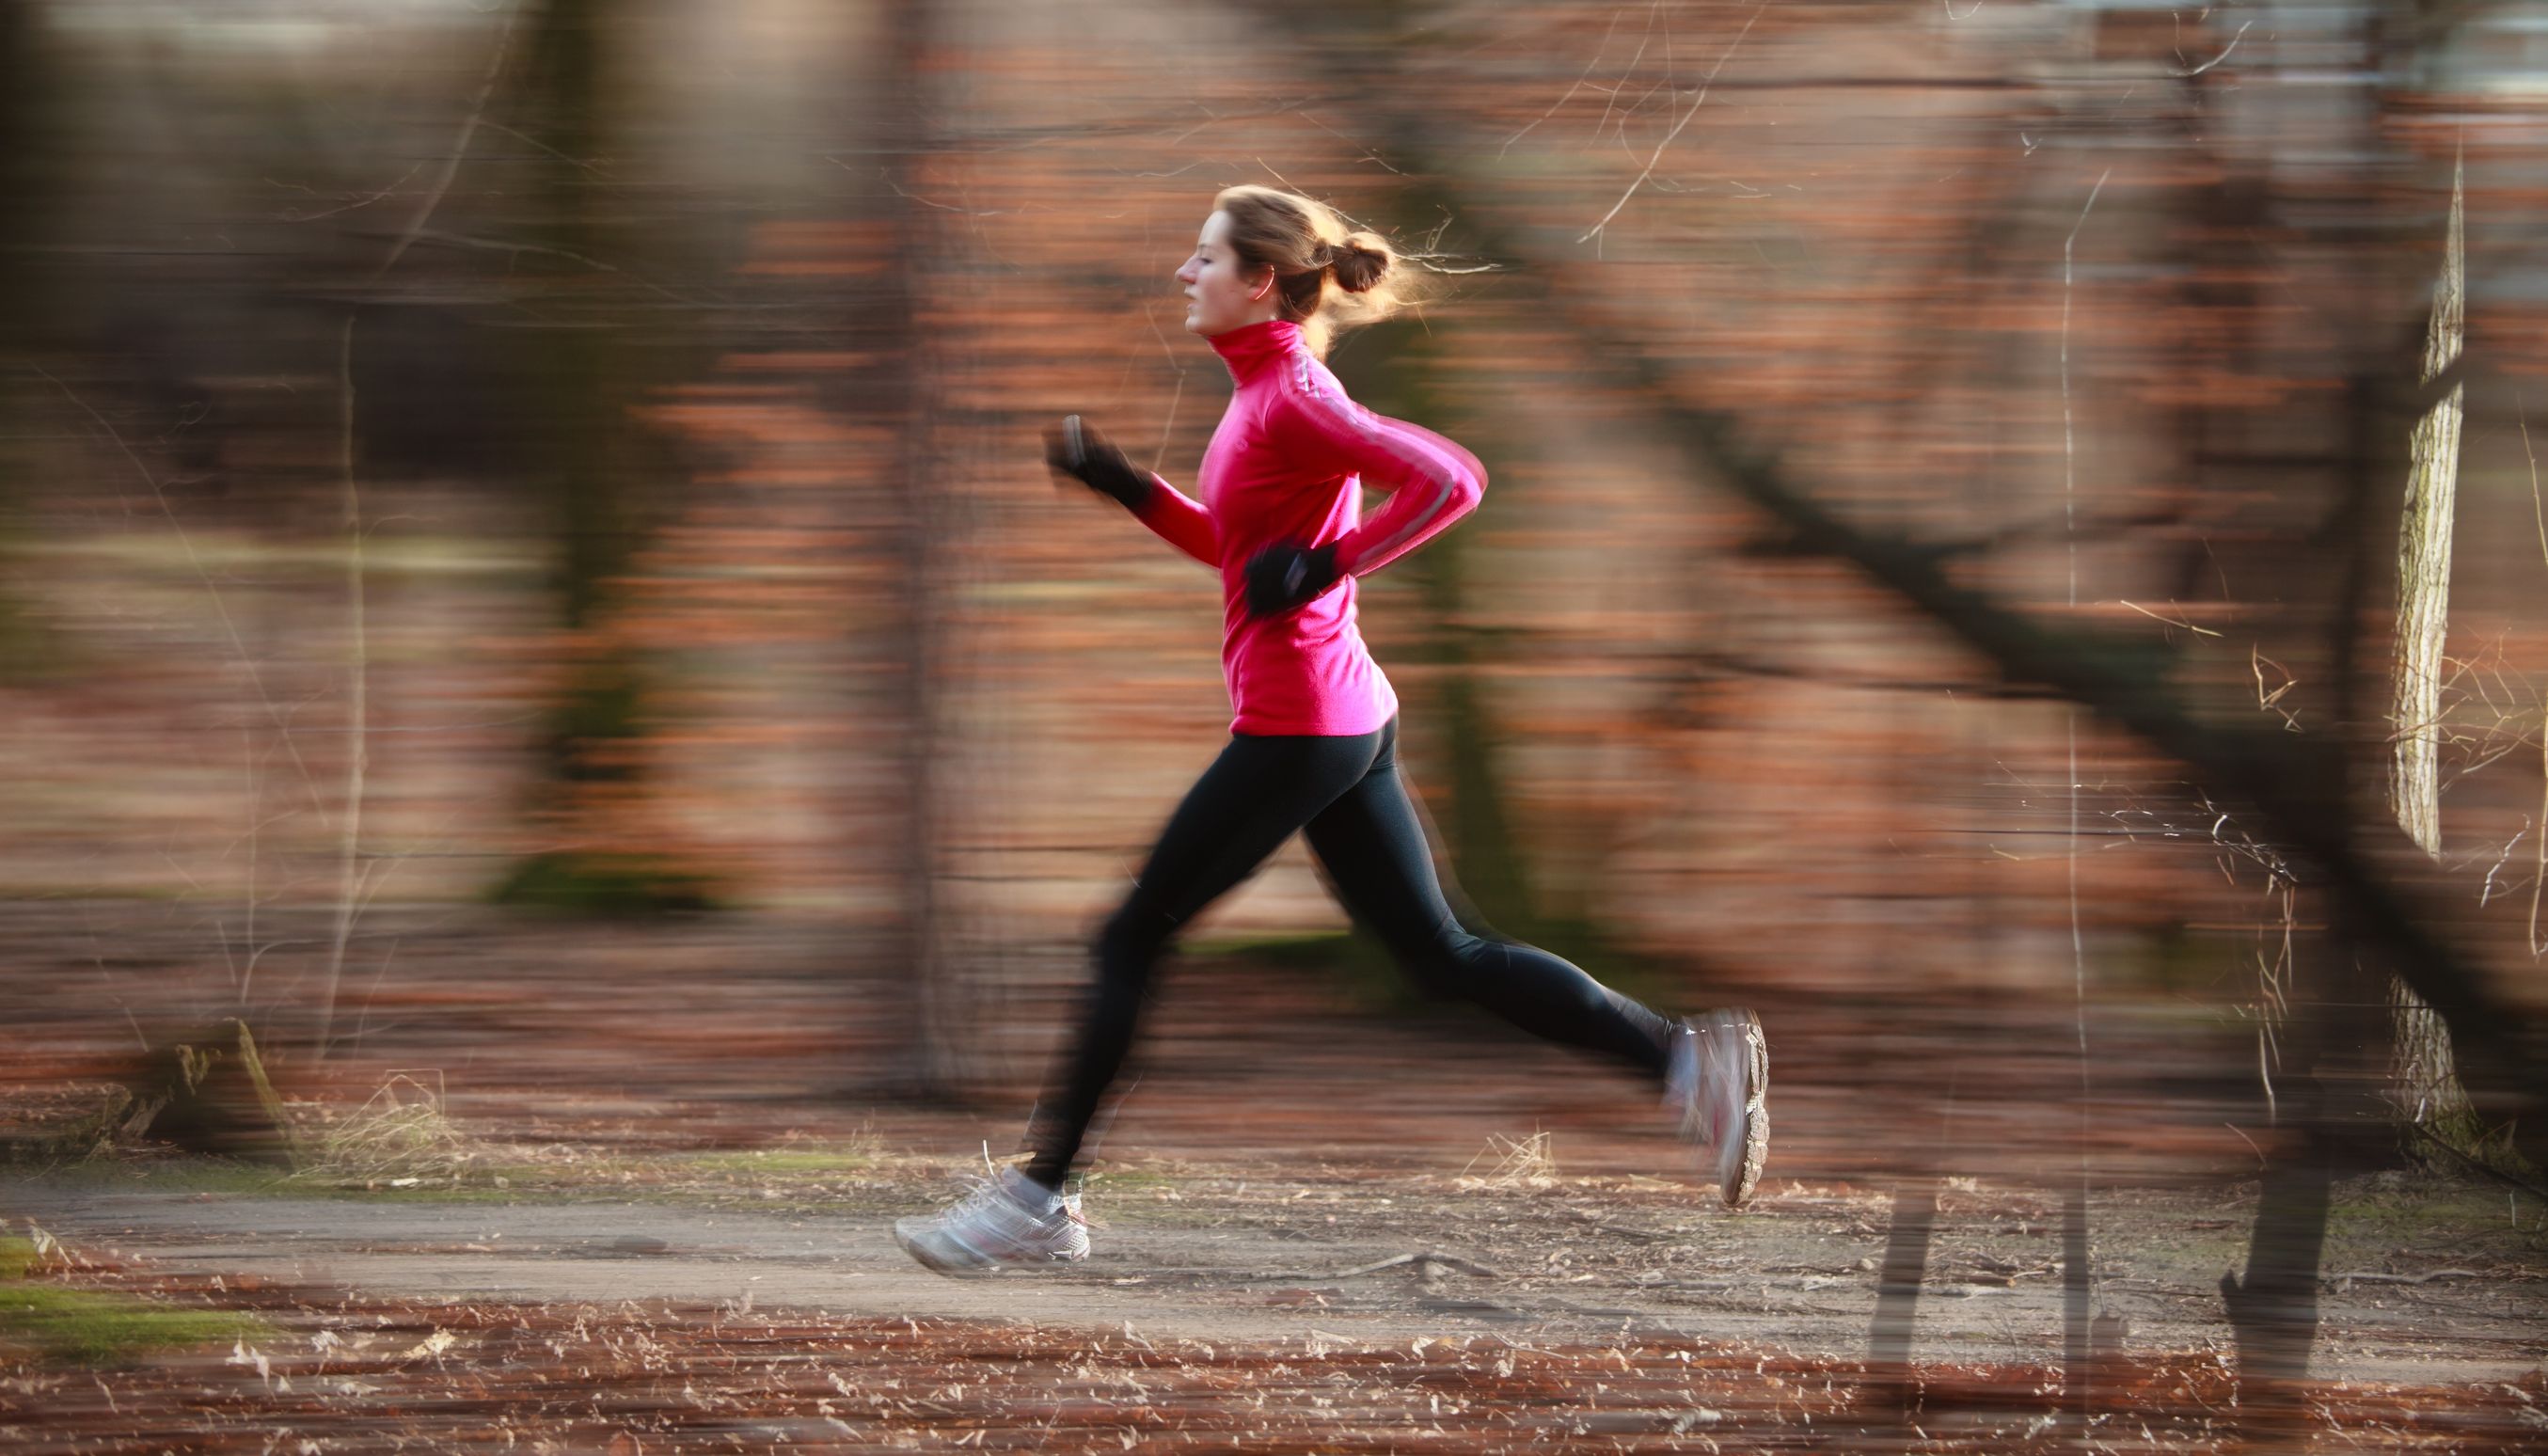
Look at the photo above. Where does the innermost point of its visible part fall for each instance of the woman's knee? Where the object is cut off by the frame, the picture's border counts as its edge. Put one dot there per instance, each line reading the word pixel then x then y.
pixel 1443 965
pixel 1131 938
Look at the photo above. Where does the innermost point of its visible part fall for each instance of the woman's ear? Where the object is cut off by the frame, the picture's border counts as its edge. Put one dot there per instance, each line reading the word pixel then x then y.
pixel 1262 289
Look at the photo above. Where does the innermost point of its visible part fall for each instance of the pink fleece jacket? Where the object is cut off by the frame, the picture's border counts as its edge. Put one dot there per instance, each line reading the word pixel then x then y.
pixel 1286 464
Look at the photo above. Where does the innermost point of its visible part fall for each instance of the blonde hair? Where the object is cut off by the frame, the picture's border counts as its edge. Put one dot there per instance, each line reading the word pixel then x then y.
pixel 1326 278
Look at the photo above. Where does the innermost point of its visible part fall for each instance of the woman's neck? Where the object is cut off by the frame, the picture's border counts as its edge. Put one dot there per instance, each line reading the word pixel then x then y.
pixel 1252 346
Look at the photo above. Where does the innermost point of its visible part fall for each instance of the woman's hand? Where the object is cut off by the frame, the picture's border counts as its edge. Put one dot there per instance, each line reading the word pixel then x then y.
pixel 1075 448
pixel 1286 575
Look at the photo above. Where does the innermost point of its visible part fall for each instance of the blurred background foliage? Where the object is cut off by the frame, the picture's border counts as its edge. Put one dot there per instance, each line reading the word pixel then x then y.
pixel 661 383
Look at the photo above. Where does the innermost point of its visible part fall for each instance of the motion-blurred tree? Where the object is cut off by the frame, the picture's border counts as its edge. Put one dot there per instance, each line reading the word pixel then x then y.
pixel 26 171
pixel 907 402
pixel 604 474
pixel 1501 868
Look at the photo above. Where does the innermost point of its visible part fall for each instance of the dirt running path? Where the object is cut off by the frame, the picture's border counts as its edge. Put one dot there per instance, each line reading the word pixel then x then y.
pixel 1213 1257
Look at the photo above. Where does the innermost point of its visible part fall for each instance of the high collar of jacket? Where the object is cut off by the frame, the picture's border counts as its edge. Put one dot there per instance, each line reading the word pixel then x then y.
pixel 1250 348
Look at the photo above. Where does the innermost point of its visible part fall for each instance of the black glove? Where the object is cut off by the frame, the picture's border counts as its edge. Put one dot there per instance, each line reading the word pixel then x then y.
pixel 1075 449
pixel 1282 576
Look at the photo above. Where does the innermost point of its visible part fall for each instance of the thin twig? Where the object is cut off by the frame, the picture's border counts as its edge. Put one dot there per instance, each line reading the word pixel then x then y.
pixel 1611 93
pixel 2250 1141
pixel 256 828
pixel 2478 1164
pixel 1417 1261
pixel 352 870
pixel 1570 91
pixel 459 149
pixel 1368 154
pixel 1414 1260
pixel 2540 518
pixel 2069 451
pixel 2539 873
pixel 220 608
pixel 358 203
pixel 98 961
pixel 2364 1276
pixel 1167 426
pixel 1651 161
pixel 2172 621
pixel 2224 53
pixel 2486 890
pixel 529 139
pixel 2083 1278
pixel 2537 515
pixel 358 749
pixel 943 207
pixel 513 245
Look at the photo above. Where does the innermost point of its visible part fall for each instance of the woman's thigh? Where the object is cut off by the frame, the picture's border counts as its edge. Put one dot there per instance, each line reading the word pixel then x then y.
pixel 1254 796
pixel 1372 843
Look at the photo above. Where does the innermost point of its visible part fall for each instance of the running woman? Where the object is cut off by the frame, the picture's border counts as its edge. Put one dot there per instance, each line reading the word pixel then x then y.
pixel 1314 741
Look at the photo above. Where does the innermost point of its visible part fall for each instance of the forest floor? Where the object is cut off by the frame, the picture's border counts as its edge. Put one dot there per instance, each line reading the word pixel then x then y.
pixel 539 1226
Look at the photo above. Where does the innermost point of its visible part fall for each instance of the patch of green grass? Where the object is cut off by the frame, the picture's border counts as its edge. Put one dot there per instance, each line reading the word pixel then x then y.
pixel 816 1176
pixel 2207 1249
pixel 1277 948
pixel 222 1178
pixel 169 1174
pixel 93 1327
pixel 606 884
pixel 2414 1211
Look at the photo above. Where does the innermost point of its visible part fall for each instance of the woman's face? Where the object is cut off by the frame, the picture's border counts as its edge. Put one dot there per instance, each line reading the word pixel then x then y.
pixel 1220 293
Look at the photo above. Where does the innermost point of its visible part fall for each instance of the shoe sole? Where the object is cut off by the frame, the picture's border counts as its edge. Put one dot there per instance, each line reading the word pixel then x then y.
pixel 980 1264
pixel 1738 1183
pixel 919 1255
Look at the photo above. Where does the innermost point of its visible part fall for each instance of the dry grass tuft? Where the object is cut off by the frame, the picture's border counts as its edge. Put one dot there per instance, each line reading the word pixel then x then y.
pixel 399 1138
pixel 1527 1163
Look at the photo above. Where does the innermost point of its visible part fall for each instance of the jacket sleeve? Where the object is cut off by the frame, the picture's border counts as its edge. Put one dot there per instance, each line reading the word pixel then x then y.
pixel 1181 521
pixel 1432 481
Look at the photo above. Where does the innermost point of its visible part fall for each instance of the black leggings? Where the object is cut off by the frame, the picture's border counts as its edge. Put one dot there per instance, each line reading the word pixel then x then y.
pixel 1346 792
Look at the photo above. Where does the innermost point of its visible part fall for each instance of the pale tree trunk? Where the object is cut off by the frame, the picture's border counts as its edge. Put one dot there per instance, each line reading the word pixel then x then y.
pixel 2425 1087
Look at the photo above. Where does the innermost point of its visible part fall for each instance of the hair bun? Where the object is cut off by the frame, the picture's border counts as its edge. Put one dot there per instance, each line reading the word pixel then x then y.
pixel 1327 275
pixel 1359 263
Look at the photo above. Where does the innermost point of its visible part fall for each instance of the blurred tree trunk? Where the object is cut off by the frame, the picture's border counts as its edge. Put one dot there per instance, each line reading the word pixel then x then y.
pixel 587 454
pixel 1389 369
pixel 1495 882
pixel 922 962
pixel 2273 1303
pixel 2426 1087
pixel 25 84
pixel 1501 878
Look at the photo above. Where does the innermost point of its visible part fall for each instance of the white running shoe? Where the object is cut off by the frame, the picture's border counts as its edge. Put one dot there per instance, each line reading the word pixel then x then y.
pixel 1718 1081
pixel 1008 1221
